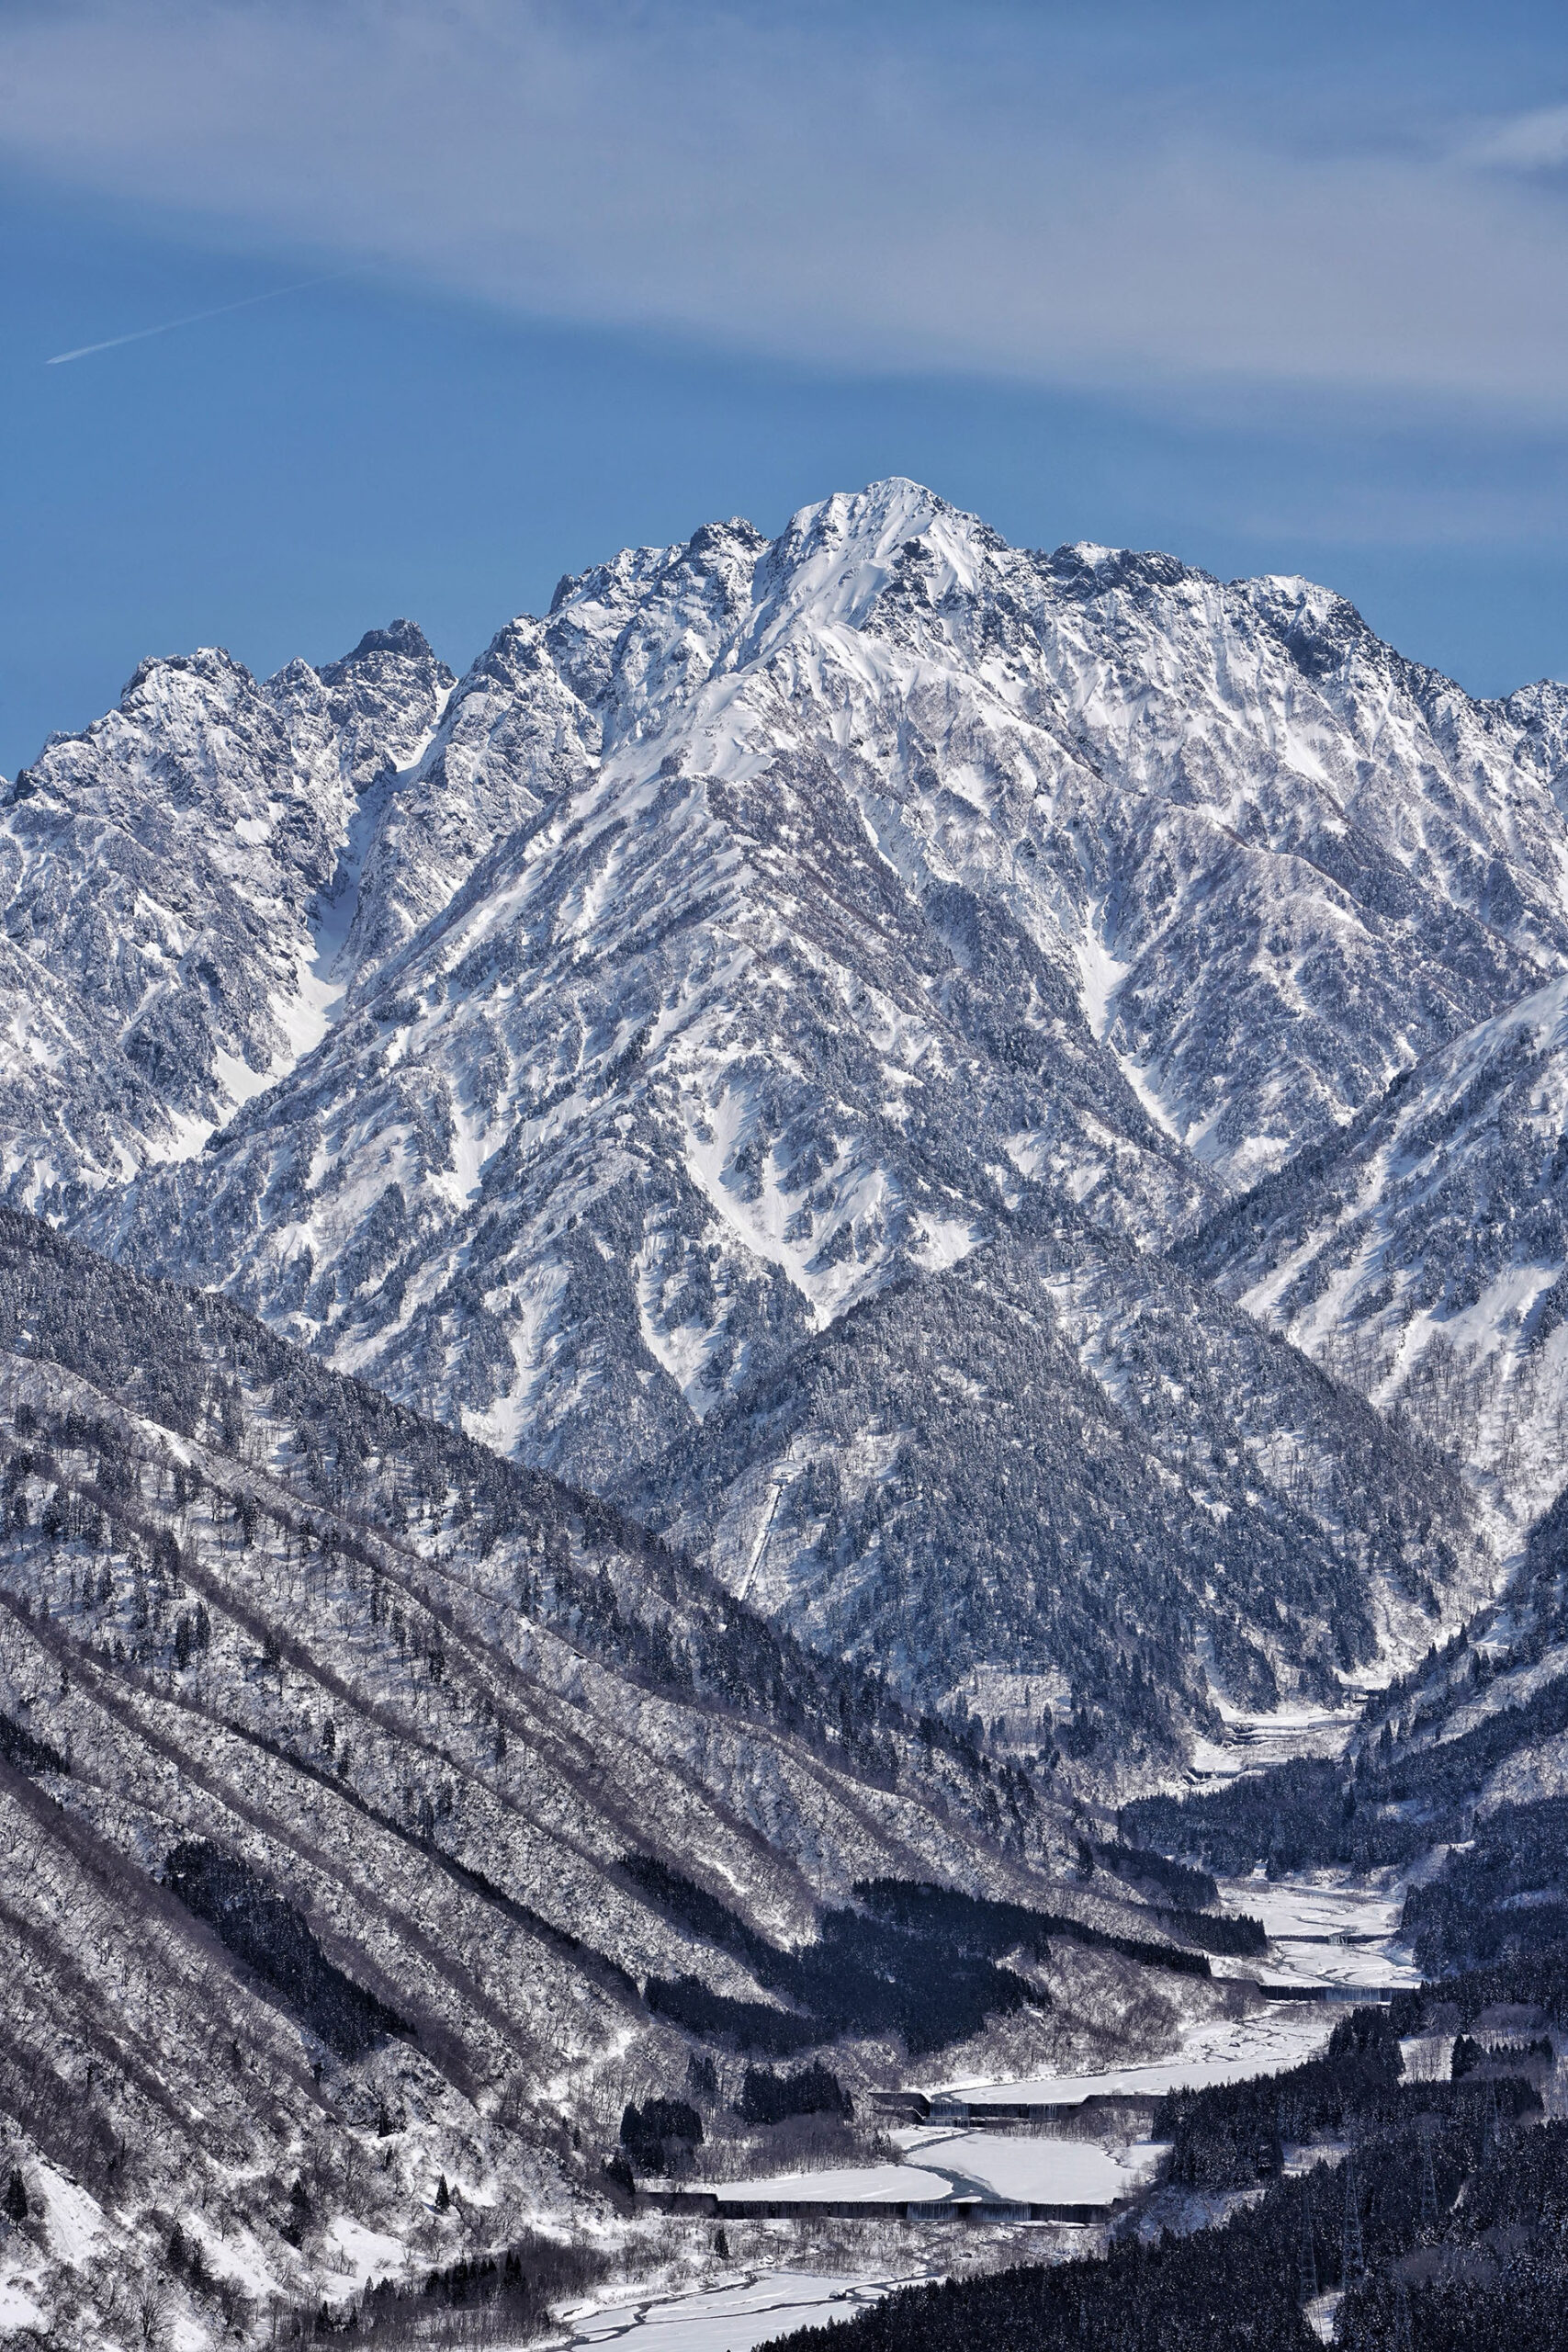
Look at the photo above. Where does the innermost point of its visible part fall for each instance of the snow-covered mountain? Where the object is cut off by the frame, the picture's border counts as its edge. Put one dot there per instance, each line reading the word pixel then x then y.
pixel 1423 1254
pixel 766 949
pixel 170 880
pixel 1080 1491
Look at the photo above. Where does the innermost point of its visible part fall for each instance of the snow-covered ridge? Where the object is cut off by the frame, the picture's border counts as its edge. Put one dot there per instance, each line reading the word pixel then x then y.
pixel 770 926
pixel 165 878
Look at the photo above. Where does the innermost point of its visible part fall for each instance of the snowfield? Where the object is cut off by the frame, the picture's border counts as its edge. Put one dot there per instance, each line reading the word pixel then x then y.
pixel 864 2183
pixel 1030 2169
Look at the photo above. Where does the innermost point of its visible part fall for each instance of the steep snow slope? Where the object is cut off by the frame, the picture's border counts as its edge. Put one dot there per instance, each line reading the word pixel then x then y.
pixel 164 878
pixel 1424 1254
pixel 826 888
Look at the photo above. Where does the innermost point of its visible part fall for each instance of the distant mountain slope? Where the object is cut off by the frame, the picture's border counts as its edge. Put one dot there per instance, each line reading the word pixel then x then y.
pixel 1457 1774
pixel 165 878
pixel 1423 1255
pixel 1075 1487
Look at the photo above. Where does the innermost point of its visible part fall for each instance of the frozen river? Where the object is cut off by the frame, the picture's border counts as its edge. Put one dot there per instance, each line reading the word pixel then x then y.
pixel 1326 1927
pixel 1218 2050
pixel 737 2315
pixel 1322 1930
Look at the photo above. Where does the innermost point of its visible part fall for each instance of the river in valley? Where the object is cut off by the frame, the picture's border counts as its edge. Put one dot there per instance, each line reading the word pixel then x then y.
pixel 1326 1930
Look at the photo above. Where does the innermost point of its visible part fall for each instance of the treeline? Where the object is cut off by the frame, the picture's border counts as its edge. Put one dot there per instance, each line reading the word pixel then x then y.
pixel 1230 2135
pixel 975 1923
pixel 658 2137
pixel 500 2299
pixel 767 2097
pixel 1505 1894
pixel 268 1935
pixel 25 1752
pixel 860 1975
pixel 1303 1815
pixel 1235 2286
pixel 1528 1979
pixel 1502 1894
pixel 1178 1882
pixel 1443 1776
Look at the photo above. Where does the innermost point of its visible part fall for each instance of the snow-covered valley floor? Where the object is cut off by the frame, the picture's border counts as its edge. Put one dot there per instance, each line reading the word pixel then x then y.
pixel 737 2313
pixel 1306 1919
pixel 1329 1927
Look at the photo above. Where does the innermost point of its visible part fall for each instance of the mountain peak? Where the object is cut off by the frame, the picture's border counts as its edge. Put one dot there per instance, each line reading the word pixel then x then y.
pixel 209 664
pixel 777 931
pixel 402 638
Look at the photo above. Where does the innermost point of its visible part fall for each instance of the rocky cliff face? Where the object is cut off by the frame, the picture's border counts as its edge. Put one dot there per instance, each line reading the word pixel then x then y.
pixel 169 879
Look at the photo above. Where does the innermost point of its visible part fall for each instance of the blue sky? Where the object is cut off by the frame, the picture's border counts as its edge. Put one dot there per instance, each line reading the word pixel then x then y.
pixel 1278 291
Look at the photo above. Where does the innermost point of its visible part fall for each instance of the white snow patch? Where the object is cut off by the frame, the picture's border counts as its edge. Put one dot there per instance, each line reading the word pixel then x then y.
pixel 1101 974
pixel 74 2219
pixel 18 2310
pixel 945 1241
pixel 365 2254
pixel 682 1349
pixel 864 2183
pixel 1033 2169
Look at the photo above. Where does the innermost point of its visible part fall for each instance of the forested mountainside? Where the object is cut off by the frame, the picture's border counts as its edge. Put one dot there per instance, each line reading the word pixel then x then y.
pixel 1423 1253
pixel 380 1813
pixel 1456 1774
pixel 761 951
pixel 1063 1462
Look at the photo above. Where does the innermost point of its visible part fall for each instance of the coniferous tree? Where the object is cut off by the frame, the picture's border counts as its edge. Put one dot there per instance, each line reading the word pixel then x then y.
pixel 1308 2248
pixel 1353 2260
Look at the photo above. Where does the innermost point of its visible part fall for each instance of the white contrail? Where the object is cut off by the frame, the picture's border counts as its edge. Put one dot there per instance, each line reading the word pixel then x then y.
pixel 192 318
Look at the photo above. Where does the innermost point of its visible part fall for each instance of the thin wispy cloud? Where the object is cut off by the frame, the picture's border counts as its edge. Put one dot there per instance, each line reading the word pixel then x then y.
pixel 1535 142
pixel 979 190
pixel 191 318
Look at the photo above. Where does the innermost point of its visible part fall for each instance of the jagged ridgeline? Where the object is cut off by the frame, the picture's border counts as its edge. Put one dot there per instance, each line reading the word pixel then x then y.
pixel 378 1811
pixel 735 971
